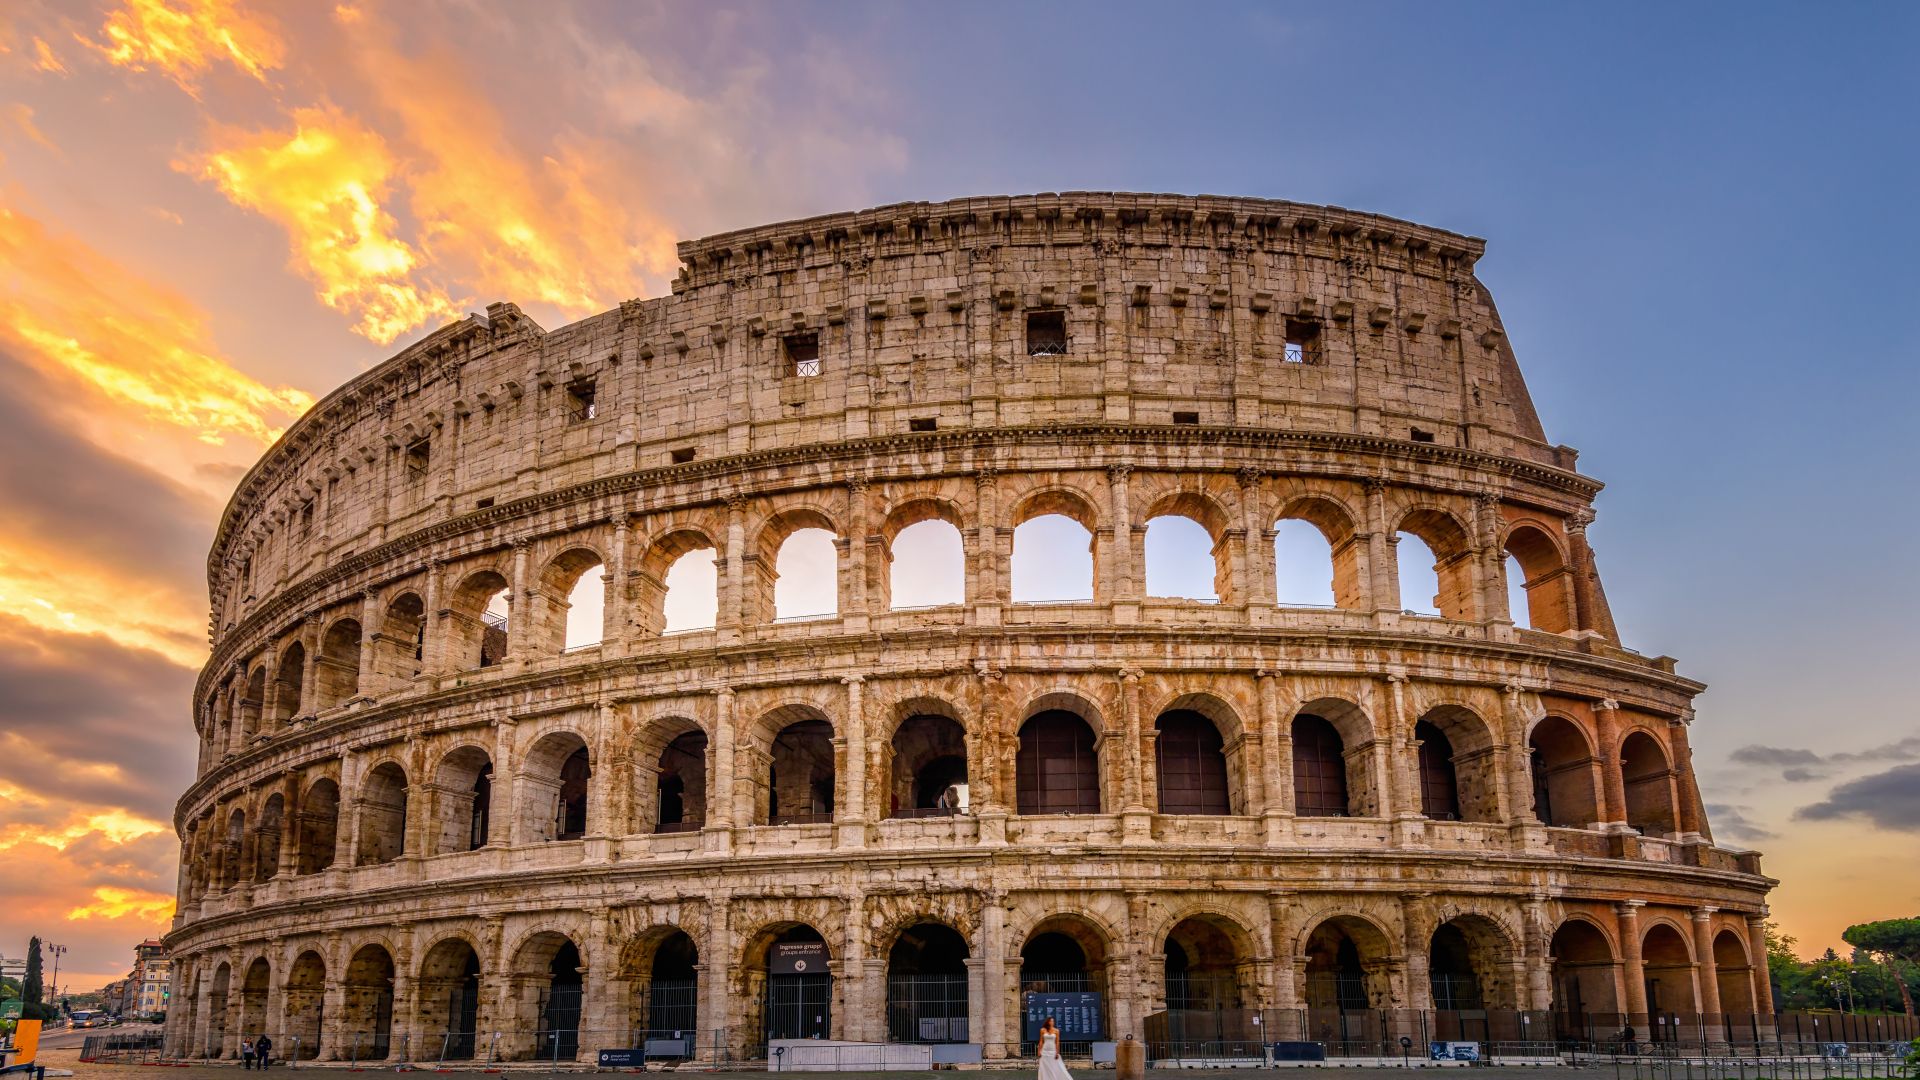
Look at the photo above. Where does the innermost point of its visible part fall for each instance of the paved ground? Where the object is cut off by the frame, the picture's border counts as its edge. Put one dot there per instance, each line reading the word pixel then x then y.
pixel 68 1059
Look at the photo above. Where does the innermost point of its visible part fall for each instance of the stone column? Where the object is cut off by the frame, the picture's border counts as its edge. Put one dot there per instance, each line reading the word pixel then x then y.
pixel 270 707
pixel 436 621
pixel 1613 783
pixel 520 605
pixel 613 620
pixel 310 668
pixel 1519 757
pixel 1276 756
pixel 1125 586
pixel 1133 795
pixel 1256 548
pixel 1692 825
pixel 347 823
pixel 274 1020
pixel 720 816
pixel 1286 985
pixel 335 1040
pixel 733 584
pixel 597 1007
pixel 1539 948
pixel 236 712
pixel 994 988
pixel 1706 968
pixel 853 565
pixel 1757 964
pixel 716 972
pixel 1414 910
pixel 983 569
pixel 850 805
pixel 1627 913
pixel 1589 613
pixel 1495 605
pixel 404 1045
pixel 1384 583
pixel 502 811
pixel 369 643
pixel 203 1011
pixel 863 1018
pixel 605 778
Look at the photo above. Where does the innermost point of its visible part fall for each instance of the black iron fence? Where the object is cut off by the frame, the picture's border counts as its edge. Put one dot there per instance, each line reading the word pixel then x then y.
pixel 1242 1034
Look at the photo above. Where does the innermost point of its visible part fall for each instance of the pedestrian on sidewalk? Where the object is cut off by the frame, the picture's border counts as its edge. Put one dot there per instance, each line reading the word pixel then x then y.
pixel 246 1053
pixel 263 1049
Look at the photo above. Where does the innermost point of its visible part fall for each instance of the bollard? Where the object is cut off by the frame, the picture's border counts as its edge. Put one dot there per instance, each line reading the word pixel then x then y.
pixel 1130 1059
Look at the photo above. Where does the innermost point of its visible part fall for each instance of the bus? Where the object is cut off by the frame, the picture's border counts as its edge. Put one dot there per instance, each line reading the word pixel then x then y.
pixel 88 1018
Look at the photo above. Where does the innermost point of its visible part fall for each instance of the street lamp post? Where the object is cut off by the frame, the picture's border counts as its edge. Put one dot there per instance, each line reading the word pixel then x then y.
pixel 53 987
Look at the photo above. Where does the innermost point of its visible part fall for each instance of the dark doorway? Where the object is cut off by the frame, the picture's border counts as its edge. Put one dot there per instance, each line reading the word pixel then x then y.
pixel 1057 771
pixel 799 1001
pixel 1191 767
pixel 560 1015
pixel 927 985
pixel 1319 769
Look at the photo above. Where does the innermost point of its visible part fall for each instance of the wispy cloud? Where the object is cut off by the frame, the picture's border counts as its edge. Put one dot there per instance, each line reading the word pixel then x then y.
pixel 184 39
pixel 1888 800
pixel 326 180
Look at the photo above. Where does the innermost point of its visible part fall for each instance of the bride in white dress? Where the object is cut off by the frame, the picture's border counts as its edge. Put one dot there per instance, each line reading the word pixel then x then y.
pixel 1050 1067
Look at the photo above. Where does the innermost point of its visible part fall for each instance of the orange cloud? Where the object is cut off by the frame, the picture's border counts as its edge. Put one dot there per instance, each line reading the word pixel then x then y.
pixel 74 312
pixel 324 182
pixel 51 591
pixel 45 60
pixel 19 116
pixel 186 40
pixel 112 902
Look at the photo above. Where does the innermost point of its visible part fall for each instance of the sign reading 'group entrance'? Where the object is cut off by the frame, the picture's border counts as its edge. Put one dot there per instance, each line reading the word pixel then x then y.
pixel 1077 1015
pixel 798 958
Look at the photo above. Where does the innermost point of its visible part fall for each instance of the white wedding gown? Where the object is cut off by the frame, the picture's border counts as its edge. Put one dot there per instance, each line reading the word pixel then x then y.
pixel 1050 1067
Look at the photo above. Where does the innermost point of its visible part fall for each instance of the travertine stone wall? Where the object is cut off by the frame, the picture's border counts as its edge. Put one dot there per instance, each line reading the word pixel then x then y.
pixel 375 805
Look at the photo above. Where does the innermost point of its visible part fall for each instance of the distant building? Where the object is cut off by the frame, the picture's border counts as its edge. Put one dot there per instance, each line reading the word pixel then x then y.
pixel 147 983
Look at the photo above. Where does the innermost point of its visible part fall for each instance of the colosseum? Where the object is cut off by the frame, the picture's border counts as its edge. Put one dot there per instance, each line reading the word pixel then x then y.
pixel 511 747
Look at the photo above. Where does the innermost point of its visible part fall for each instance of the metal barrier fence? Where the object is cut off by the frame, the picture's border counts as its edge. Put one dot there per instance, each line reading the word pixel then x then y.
pixel 1830 1061
pixel 128 1047
pixel 483 1048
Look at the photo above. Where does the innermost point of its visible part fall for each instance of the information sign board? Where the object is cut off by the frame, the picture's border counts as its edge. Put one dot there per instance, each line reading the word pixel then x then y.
pixel 1078 1015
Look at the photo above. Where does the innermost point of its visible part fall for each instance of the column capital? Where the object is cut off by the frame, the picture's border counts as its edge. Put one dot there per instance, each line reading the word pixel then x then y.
pixel 985 478
pixel 1267 673
pixel 1248 476
pixel 852 680
pixel 735 501
pixel 1119 473
pixel 1607 705
pixel 1629 907
pixel 521 543
pixel 1703 914
pixel 858 485
pixel 1578 521
pixel 1131 674
pixel 1375 485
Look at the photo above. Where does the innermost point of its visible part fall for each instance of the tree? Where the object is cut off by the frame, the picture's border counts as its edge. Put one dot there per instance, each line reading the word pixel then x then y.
pixel 31 991
pixel 1893 942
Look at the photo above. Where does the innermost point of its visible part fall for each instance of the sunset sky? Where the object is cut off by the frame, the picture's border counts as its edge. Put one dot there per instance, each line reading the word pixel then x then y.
pixel 1700 224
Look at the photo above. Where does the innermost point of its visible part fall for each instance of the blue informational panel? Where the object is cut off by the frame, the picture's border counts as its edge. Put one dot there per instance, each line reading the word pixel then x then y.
pixel 1078 1015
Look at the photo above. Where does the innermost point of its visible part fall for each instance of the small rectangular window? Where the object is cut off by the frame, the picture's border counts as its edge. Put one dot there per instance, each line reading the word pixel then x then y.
pixel 580 405
pixel 1046 333
pixel 306 517
pixel 923 423
pixel 1303 342
pixel 484 503
pixel 802 353
pixel 1186 418
pixel 681 456
pixel 419 457
pixel 1422 436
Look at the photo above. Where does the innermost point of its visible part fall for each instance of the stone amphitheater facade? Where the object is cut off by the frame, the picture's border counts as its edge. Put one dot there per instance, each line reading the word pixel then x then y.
pixel 413 818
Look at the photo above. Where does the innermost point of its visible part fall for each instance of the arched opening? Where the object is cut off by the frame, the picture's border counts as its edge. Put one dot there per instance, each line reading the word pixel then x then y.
pixel 252 703
pixel 383 815
pixel 799 985
pixel 1057 769
pixel 479 630
pixel 231 871
pixel 800 775
pixel 336 671
pixel 1434 555
pixel 1459 766
pixel 466 800
pixel 367 1005
pixel 1319 769
pixel 319 826
pixel 560 1007
pixel 1450 970
pixel 680 789
pixel 1181 561
pixel 679 584
pixel 663 966
pixel 1347 962
pixel 573 592
pixel 1304 573
pixel 1419 582
pixel 805 569
pixel 1053 560
pixel 1516 577
pixel 1649 785
pixel 1063 954
pixel 305 1002
pixel 267 837
pixel 929 767
pixel 449 1004
pixel 927 985
pixel 555 782
pixel 1584 988
pixel 1203 967
pixel 253 997
pixel 400 648
pixel 1544 599
pixel 927 566
pixel 1668 967
pixel 289 681
pixel 1439 787
pixel 1733 974
pixel 1190 764
pixel 217 1010
pixel 1562 764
